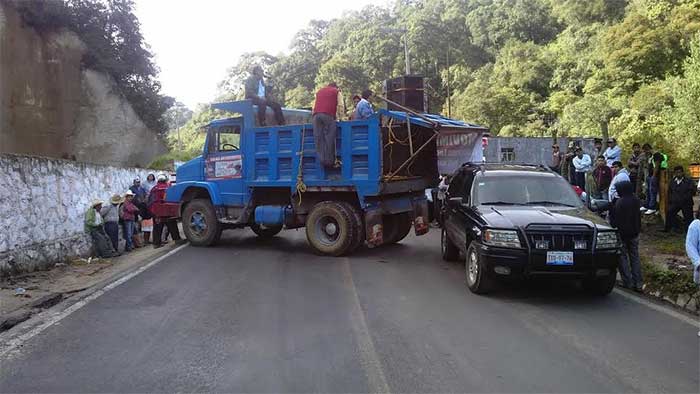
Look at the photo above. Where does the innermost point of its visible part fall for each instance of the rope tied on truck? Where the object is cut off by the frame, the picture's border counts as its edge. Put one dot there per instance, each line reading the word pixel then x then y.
pixel 300 185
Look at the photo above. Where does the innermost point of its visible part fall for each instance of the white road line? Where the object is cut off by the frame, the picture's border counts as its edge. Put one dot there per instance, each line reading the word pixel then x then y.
pixel 659 308
pixel 368 354
pixel 12 344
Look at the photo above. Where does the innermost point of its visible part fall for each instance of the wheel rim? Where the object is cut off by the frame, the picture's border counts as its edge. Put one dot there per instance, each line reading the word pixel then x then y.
pixel 327 230
pixel 198 223
pixel 472 268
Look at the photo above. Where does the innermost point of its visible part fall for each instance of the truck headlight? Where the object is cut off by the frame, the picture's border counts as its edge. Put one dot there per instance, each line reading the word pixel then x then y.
pixel 607 240
pixel 502 238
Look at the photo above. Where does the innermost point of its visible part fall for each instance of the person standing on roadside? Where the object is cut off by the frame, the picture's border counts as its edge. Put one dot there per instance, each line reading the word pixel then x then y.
pixel 582 164
pixel 557 158
pixel 613 153
pixel 150 182
pixel 110 214
pixel 633 164
pixel 325 113
pixel 139 192
pixel 621 175
pixel 567 170
pixel 657 163
pixel 95 228
pixel 129 212
pixel 156 199
pixel 681 190
pixel 692 246
pixel 602 176
pixel 628 221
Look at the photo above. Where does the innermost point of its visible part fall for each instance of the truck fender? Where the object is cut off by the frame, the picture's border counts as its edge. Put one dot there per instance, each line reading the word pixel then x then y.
pixel 184 191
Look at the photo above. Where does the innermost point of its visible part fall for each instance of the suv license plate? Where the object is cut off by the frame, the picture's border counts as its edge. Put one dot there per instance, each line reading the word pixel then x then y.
pixel 560 258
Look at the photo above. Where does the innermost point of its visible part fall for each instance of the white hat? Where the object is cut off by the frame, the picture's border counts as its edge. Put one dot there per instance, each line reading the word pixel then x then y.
pixel 162 177
pixel 96 203
pixel 129 193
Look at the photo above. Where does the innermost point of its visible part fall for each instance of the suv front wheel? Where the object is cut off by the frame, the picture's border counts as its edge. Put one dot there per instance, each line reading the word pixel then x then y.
pixel 449 250
pixel 478 280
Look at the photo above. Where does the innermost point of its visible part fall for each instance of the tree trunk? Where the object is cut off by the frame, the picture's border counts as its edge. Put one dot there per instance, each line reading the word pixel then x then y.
pixel 604 130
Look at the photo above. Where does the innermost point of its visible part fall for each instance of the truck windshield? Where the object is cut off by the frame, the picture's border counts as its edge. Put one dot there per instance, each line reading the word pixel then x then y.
pixel 523 190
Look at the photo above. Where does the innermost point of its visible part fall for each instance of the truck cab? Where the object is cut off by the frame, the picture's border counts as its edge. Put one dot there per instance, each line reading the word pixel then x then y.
pixel 269 178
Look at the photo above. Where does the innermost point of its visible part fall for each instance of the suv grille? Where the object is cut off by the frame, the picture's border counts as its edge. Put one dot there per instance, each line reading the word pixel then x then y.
pixel 560 239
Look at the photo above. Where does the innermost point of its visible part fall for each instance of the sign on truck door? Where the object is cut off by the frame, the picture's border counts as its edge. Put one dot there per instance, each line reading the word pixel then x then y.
pixel 224 163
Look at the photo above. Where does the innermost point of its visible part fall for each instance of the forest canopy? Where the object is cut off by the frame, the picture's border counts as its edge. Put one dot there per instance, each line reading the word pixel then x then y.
pixel 596 68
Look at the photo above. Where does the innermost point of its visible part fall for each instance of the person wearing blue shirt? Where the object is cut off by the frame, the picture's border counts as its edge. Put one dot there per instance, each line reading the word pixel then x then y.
pixel 692 246
pixel 613 153
pixel 364 108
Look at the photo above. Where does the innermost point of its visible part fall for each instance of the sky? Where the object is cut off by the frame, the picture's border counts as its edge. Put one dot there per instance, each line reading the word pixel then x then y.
pixel 196 41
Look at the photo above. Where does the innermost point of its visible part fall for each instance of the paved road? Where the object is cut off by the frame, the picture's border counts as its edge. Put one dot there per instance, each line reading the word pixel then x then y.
pixel 250 316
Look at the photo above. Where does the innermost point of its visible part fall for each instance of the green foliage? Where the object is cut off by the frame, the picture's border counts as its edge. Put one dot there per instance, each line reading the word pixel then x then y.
pixel 596 68
pixel 115 46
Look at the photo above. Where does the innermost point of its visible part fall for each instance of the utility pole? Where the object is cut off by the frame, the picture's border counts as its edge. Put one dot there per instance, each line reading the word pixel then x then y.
pixel 405 47
pixel 449 100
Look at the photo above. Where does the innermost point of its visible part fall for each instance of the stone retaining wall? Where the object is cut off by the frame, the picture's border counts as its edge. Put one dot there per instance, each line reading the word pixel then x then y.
pixel 42 207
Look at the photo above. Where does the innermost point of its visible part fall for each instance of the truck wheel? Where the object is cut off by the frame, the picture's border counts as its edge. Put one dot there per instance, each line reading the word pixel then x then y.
pixel 359 235
pixel 330 229
pixel 396 227
pixel 477 277
pixel 600 286
pixel 200 224
pixel 449 250
pixel 265 231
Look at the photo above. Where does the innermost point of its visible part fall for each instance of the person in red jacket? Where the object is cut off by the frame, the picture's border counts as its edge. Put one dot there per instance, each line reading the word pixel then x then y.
pixel 323 119
pixel 156 202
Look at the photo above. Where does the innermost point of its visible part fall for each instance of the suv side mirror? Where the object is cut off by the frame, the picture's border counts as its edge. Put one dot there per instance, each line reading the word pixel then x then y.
pixel 455 201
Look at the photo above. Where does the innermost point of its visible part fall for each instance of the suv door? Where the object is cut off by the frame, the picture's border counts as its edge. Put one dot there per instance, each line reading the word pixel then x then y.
pixel 224 162
pixel 456 213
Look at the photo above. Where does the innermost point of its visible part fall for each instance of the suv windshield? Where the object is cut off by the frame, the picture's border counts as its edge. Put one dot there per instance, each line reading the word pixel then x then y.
pixel 523 190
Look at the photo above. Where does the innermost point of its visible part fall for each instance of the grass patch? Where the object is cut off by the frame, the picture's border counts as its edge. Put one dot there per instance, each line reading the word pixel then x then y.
pixel 668 281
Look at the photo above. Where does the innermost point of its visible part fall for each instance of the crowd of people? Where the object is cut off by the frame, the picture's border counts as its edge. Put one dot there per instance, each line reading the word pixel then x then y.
pixel 631 191
pixel 136 213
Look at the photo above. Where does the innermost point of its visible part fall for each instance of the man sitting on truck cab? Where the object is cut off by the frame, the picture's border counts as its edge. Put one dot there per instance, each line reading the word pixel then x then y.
pixel 257 92
pixel 326 108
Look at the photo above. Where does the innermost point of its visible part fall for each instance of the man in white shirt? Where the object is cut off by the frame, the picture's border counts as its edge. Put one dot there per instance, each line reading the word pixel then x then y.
pixel 582 164
pixel 621 174
pixel 613 153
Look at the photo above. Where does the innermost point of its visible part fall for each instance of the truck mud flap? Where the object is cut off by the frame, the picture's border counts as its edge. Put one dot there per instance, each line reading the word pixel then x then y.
pixel 420 216
pixel 374 228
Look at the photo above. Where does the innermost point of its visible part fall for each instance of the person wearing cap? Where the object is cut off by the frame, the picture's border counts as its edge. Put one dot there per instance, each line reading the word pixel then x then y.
pixel 557 157
pixel 110 214
pixel 613 153
pixel 128 212
pixel 155 199
pixel 257 92
pixel 140 193
pixel 95 228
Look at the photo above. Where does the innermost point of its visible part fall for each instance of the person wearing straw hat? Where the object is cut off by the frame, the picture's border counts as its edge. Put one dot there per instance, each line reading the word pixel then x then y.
pixel 128 213
pixel 94 227
pixel 110 214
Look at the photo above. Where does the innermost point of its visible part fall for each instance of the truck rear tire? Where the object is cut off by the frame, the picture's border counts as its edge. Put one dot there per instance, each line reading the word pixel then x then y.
pixel 331 228
pixel 265 232
pixel 396 227
pixel 200 224
pixel 359 236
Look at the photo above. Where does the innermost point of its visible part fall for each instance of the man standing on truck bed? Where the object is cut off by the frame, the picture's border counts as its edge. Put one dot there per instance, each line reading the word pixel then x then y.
pixel 324 116
pixel 257 92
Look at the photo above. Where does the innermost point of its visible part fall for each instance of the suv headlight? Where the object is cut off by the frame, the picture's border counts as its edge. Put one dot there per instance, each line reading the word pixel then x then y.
pixel 502 238
pixel 607 240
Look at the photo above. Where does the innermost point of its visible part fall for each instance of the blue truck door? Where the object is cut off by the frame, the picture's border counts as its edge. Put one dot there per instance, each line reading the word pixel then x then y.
pixel 224 162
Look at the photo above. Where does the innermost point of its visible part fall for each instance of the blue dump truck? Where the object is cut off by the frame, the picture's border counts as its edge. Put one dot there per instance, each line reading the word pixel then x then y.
pixel 269 178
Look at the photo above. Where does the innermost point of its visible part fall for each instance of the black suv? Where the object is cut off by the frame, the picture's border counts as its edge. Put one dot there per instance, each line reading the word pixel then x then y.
pixel 515 221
